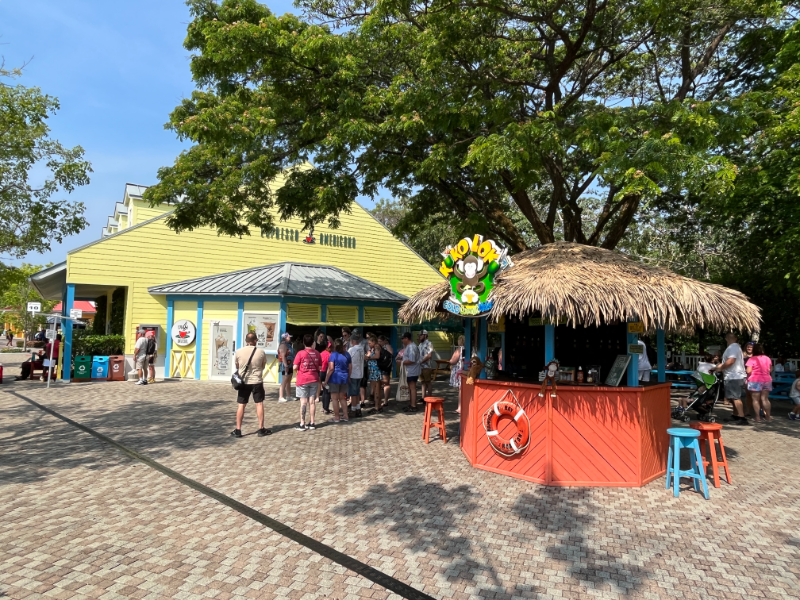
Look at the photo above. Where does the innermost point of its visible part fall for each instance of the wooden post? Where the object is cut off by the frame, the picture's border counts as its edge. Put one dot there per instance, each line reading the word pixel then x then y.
pixel 662 356
pixel 549 343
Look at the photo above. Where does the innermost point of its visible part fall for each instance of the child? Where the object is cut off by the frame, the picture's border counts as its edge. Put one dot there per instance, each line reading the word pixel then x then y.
pixel 794 396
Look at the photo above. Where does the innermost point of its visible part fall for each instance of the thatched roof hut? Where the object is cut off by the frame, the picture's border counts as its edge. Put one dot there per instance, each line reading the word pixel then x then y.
pixel 593 286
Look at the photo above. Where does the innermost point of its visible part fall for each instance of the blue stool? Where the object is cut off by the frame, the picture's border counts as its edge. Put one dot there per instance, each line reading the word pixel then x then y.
pixel 683 437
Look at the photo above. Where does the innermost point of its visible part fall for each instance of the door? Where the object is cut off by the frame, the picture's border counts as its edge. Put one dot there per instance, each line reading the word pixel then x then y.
pixel 221 347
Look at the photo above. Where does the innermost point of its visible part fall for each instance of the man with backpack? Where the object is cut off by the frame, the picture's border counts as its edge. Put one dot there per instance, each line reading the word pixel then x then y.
pixel 140 359
pixel 151 350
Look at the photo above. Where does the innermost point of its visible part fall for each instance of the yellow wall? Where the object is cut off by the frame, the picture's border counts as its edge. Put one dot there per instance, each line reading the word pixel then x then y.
pixel 152 254
pixel 142 212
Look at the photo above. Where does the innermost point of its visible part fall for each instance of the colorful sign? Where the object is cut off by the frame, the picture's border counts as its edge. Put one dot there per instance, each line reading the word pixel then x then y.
pixel 636 327
pixel 264 325
pixel 471 266
pixel 183 332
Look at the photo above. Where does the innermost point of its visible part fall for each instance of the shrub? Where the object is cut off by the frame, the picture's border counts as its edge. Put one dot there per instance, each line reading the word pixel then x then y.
pixel 85 343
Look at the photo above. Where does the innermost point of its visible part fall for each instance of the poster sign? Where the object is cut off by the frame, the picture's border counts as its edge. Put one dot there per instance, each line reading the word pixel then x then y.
pixel 618 369
pixel 637 327
pixel 50 334
pixel 499 327
pixel 471 267
pixel 183 332
pixel 265 326
pixel 635 349
pixel 75 313
pixel 222 349
pixel 34 307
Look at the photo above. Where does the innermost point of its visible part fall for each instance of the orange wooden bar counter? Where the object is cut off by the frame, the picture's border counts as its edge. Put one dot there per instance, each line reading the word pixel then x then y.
pixel 584 436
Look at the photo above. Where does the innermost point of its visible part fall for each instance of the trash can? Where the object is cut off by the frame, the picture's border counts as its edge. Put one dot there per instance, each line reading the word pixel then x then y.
pixel 83 367
pixel 100 367
pixel 116 368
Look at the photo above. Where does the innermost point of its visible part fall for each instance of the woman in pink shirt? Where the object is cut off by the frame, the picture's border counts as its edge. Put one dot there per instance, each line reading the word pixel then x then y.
pixel 759 382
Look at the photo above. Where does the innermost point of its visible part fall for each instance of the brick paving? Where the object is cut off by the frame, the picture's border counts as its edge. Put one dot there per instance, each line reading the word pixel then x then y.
pixel 80 519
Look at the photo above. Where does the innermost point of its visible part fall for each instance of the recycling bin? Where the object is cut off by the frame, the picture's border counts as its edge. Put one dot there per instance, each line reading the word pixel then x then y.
pixel 116 368
pixel 100 367
pixel 83 367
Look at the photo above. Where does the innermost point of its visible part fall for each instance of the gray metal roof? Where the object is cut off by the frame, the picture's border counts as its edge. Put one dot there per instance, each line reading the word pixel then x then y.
pixel 284 279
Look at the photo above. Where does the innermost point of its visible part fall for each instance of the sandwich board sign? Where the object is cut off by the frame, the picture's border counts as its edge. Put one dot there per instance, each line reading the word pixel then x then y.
pixel 34 307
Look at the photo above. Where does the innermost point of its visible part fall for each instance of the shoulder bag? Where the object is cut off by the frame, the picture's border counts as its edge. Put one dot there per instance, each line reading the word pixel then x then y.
pixel 237 381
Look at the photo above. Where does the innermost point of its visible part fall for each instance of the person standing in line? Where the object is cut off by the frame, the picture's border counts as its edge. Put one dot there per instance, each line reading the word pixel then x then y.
pixel 410 360
pixel 759 383
pixel 152 352
pixel 346 333
pixel 336 379
pixel 307 363
pixel 455 369
pixel 385 365
pixel 362 341
pixel 250 362
pixel 286 358
pixel 324 393
pixel 732 366
pixel 356 352
pixel 425 362
pixel 140 359
pixel 373 369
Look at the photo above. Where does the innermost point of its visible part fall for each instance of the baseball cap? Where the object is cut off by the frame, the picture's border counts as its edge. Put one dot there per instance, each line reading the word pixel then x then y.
pixel 424 332
pixel 286 336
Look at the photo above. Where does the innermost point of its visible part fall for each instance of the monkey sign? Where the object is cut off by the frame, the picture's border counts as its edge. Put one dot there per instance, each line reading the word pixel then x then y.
pixel 471 267
pixel 550 376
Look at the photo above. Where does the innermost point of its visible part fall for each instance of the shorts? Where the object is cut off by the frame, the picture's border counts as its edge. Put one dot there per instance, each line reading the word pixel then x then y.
pixel 307 390
pixel 285 371
pixel 759 386
pixel 386 375
pixel 412 378
pixel 141 361
pixel 795 399
pixel 427 375
pixel 644 375
pixel 354 389
pixel 257 389
pixel 735 389
pixel 151 359
pixel 337 388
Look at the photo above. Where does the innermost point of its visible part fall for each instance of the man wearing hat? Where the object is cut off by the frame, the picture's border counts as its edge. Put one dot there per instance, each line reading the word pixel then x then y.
pixel 426 354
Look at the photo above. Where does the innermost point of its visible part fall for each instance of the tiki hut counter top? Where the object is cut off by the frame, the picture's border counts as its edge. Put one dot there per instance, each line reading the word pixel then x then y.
pixel 591 435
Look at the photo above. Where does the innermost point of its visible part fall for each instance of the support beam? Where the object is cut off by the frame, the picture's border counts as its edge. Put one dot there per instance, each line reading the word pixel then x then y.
pixel 661 351
pixel 66 331
pixel 467 340
pixel 281 331
pixel 483 341
pixel 549 343
pixel 168 334
pixel 633 368
pixel 198 340
pixel 393 341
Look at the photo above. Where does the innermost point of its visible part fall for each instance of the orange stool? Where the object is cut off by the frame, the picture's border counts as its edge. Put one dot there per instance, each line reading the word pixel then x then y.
pixel 434 403
pixel 712 433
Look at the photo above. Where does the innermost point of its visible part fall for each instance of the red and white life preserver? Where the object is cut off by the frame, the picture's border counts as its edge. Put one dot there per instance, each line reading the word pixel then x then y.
pixel 516 443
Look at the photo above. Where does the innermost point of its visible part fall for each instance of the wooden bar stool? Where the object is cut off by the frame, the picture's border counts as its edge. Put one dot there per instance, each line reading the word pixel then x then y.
pixel 680 438
pixel 711 433
pixel 434 403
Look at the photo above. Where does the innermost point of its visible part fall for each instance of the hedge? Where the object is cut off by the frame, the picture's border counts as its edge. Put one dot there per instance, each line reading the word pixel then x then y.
pixel 85 343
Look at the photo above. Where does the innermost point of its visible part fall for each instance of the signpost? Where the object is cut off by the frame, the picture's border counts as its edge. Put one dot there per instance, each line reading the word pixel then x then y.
pixel 75 313
pixel 34 307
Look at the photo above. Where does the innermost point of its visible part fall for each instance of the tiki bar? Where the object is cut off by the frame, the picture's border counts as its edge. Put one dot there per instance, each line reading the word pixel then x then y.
pixel 566 406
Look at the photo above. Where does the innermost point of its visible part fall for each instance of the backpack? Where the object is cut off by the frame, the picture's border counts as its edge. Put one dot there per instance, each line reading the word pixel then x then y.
pixel 151 347
pixel 385 360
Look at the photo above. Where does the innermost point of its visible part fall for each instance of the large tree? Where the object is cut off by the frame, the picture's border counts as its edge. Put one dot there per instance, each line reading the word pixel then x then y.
pixel 33 168
pixel 480 109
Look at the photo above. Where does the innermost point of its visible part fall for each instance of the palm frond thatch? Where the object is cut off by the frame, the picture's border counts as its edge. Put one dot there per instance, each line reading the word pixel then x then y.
pixel 591 286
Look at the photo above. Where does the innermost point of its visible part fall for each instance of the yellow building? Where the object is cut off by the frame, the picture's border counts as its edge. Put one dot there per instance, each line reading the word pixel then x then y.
pixel 218 286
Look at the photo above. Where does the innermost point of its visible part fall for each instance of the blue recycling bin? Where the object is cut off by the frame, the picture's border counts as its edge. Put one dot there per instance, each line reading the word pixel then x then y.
pixel 100 367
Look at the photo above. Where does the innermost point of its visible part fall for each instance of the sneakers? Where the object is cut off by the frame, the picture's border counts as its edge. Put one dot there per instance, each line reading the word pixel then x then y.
pixel 141 382
pixel 263 431
pixel 151 380
pixel 311 426
pixel 282 400
pixel 237 433
pixel 300 427
pixel 794 416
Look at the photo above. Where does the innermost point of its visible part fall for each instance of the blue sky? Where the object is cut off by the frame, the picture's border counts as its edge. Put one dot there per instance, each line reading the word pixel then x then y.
pixel 118 70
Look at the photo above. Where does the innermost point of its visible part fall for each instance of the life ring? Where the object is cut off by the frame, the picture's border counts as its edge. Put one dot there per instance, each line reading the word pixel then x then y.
pixel 520 440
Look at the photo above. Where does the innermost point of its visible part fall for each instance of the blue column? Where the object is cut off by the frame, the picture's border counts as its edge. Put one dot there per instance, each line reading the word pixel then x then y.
pixel 483 340
pixel 361 318
pixel 168 332
pixel 661 350
pixel 66 331
pixel 549 343
pixel 324 316
pixel 467 340
pixel 198 340
pixel 503 350
pixel 393 340
pixel 281 331
pixel 240 325
pixel 633 368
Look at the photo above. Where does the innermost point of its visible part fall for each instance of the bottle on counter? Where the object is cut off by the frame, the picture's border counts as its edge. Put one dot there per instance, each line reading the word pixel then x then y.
pixel 580 375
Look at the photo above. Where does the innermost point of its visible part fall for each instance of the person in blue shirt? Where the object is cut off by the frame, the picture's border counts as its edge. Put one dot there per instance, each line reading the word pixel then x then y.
pixel 340 366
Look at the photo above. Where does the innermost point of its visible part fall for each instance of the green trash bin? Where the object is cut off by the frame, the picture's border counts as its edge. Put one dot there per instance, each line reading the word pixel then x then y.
pixel 83 367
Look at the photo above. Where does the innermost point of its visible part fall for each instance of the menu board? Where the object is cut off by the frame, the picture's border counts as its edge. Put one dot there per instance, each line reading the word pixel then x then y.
pixel 618 369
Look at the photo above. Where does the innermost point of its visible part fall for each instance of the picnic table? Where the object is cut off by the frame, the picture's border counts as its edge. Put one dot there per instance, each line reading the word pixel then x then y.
pixel 781 384
pixel 679 379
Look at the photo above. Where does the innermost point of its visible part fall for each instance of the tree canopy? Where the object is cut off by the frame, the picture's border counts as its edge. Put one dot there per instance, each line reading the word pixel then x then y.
pixel 576 115
pixel 30 218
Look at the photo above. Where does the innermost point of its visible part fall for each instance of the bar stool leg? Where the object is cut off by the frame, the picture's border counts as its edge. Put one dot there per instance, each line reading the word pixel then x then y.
pixel 676 474
pixel 712 449
pixel 426 427
pixel 441 423
pixel 702 469
pixel 724 460
pixel 669 464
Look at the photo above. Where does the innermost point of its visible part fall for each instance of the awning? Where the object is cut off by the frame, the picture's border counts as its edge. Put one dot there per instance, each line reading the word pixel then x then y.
pixel 332 324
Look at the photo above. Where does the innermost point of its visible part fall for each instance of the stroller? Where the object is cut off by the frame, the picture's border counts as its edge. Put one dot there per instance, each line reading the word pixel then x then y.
pixel 710 389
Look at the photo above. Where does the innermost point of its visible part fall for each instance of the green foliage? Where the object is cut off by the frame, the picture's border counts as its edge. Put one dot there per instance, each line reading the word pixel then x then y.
pixel 85 343
pixel 481 112
pixel 16 291
pixel 117 321
pixel 30 218
pixel 99 323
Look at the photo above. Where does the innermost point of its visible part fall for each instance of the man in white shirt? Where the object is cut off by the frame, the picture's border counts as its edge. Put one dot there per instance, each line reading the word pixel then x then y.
pixel 411 362
pixel 356 352
pixel 644 363
pixel 426 354
pixel 732 366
